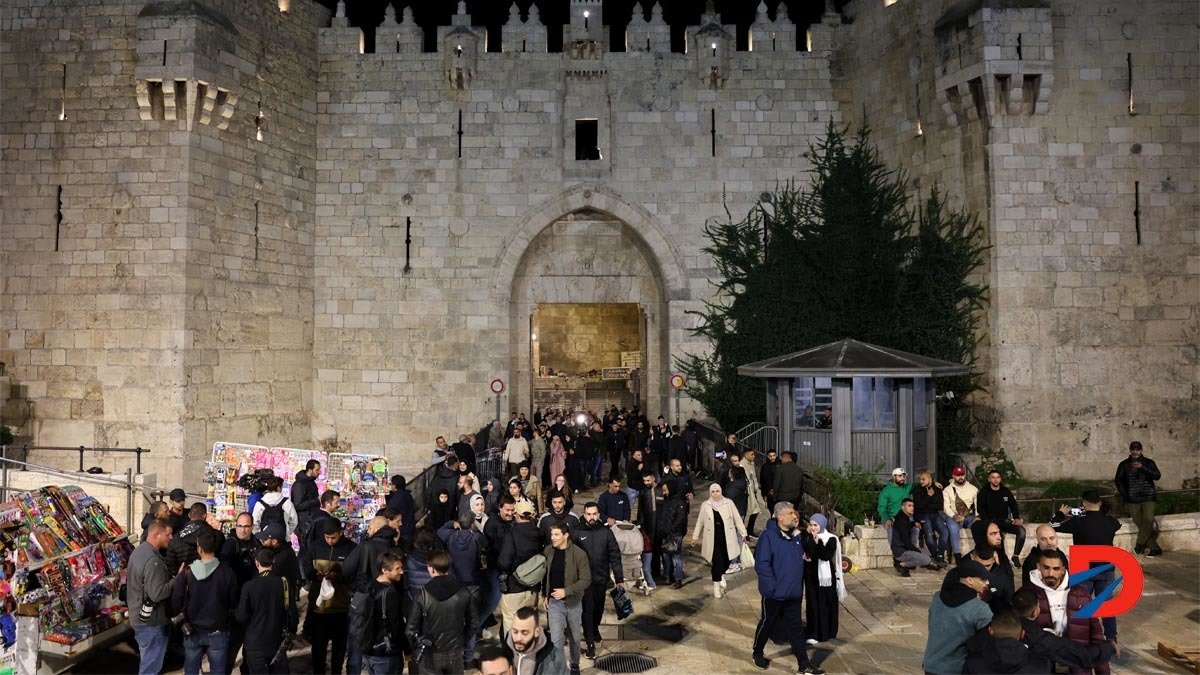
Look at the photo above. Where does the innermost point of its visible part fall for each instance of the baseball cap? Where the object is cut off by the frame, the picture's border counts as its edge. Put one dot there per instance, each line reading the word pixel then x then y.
pixel 178 495
pixel 958 471
pixel 898 471
pixel 272 531
pixel 525 507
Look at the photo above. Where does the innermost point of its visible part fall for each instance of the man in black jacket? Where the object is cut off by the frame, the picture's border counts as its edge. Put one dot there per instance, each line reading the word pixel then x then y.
pixel 443 617
pixel 206 592
pixel 401 500
pixel 327 621
pixel 557 513
pixel 603 555
pixel 283 559
pixel 306 501
pixel 182 550
pixel 522 542
pixel 1047 540
pixel 1093 528
pixel 495 531
pixel 267 609
pixel 766 478
pixel 647 518
pixel 1135 483
pixel 238 554
pixel 329 504
pixel 905 554
pixel 445 477
pixel 1048 646
pixel 997 504
pixel 614 504
pixel 381 618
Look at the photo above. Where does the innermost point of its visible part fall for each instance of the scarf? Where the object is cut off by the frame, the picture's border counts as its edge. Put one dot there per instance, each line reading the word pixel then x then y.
pixel 825 574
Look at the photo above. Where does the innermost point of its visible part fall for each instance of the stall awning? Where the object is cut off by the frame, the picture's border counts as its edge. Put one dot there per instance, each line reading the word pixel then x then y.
pixel 852 358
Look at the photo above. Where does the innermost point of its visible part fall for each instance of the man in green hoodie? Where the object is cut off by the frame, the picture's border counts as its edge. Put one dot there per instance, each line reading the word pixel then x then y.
pixel 205 593
pixel 891 496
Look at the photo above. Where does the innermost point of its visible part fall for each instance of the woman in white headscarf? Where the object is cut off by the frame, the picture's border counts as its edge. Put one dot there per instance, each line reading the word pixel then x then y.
pixel 720 528
pixel 823 585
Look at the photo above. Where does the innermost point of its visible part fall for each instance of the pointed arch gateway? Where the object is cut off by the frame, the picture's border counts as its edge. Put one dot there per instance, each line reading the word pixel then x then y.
pixel 589 256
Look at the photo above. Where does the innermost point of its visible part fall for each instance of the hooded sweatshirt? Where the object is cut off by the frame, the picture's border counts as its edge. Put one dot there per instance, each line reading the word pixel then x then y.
pixel 955 615
pixel 206 593
pixel 541 659
pixel 290 519
pixel 1005 655
pixel 1056 598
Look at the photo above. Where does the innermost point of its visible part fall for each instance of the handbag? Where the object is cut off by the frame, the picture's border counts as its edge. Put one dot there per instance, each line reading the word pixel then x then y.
pixel 621 603
pixel 746 557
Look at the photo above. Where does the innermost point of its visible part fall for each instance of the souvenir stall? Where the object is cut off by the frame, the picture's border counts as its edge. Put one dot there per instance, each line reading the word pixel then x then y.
pixel 362 481
pixel 64 561
pixel 229 474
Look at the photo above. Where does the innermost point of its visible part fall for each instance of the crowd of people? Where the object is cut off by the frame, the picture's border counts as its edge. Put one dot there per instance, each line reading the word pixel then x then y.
pixel 510 575
pixel 995 614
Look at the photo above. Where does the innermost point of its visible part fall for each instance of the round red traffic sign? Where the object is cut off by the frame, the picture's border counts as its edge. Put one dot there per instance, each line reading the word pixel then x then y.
pixel 677 381
pixel 497 386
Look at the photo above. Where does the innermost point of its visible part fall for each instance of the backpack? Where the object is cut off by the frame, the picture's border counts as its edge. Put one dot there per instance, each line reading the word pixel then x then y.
pixel 531 572
pixel 272 514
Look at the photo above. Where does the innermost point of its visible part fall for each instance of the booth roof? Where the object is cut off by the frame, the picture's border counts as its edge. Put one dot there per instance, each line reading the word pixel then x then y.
pixel 852 358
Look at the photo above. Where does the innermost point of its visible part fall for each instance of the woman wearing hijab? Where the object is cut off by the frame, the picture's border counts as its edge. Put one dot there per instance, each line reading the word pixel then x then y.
pixel 441 511
pixel 720 528
pixel 558 458
pixel 531 487
pixel 478 511
pixel 822 580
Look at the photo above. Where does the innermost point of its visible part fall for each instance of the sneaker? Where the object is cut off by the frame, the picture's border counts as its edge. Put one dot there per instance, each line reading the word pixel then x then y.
pixel 810 642
pixel 647 590
pixel 1154 552
pixel 901 570
pixel 678 584
pixel 590 651
pixel 761 662
pixel 1016 561
pixel 717 591
pixel 811 670
pixel 1139 549
pixel 574 669
pixel 724 584
pixel 486 634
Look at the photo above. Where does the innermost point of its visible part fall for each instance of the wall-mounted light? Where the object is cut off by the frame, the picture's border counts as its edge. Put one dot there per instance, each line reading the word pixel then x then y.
pixel 458 50
pixel 533 337
pixel 586 14
pixel 714 48
pixel 284 5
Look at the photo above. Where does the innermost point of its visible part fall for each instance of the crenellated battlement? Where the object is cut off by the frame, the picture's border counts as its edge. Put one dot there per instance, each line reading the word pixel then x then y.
pixel 710 43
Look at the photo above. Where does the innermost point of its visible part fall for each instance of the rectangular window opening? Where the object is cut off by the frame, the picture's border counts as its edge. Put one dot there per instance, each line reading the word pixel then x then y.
pixel 587 139
pixel 1030 86
pixel 58 218
pixel 158 105
pixel 1129 82
pixel 1002 84
pixel 1020 56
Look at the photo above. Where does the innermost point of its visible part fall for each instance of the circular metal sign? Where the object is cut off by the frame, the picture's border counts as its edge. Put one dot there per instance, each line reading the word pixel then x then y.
pixel 497 386
pixel 677 381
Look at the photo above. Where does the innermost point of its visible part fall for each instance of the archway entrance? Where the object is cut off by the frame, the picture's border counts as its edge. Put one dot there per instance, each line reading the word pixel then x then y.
pixel 583 355
pixel 592 293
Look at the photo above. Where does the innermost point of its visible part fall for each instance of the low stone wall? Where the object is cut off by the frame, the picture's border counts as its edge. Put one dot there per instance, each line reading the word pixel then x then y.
pixel 1178 532
pixel 113 497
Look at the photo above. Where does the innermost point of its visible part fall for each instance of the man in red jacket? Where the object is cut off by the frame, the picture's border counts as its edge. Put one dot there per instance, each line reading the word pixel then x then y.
pixel 1059 604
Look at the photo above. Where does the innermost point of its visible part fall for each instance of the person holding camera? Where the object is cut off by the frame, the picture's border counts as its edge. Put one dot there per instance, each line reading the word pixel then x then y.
pixel 382 641
pixel 268 612
pixel 1090 526
pixel 202 597
pixel 149 586
pixel 238 555
pixel 442 619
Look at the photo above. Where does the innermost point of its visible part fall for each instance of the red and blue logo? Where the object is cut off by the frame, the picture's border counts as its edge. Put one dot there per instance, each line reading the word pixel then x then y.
pixel 1104 604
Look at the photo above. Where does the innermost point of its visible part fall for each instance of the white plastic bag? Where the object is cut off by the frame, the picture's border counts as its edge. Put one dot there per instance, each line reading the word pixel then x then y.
pixel 326 595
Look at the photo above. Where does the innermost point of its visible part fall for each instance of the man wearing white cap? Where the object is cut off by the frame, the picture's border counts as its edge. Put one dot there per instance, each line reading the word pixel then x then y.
pixel 892 494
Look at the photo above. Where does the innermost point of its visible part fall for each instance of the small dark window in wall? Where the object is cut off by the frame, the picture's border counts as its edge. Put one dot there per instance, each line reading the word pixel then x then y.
pixel 587 139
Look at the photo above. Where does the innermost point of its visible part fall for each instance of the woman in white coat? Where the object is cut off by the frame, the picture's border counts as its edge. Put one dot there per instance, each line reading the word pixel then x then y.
pixel 721 532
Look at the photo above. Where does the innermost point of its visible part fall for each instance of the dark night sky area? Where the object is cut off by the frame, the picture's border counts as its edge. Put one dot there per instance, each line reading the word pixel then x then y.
pixel 494 13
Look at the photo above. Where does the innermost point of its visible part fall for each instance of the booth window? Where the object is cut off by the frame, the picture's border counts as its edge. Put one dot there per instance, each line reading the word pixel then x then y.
pixel 920 403
pixel 874 403
pixel 815 392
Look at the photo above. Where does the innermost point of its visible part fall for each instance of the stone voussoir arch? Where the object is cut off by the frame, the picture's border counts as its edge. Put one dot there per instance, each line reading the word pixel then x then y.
pixel 641 223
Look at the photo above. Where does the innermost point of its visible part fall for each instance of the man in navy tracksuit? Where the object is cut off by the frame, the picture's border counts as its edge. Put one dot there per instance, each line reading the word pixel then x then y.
pixel 779 562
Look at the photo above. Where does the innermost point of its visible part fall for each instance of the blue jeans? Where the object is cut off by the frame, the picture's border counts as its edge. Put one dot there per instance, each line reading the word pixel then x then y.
pixel 354 658
pixel 931 524
pixel 152 648
pixel 382 665
pixel 194 648
pixel 646 558
pixel 597 467
pixel 675 560
pixel 491 598
pixel 1098 583
pixel 954 528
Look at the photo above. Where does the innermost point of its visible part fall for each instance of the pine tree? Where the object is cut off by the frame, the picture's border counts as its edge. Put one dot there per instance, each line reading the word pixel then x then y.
pixel 846 257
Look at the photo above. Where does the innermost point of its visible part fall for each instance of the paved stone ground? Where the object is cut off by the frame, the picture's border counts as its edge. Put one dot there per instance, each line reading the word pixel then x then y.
pixel 883 624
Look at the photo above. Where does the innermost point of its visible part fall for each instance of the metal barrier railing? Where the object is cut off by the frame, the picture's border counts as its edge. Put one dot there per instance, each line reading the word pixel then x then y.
pixel 84 449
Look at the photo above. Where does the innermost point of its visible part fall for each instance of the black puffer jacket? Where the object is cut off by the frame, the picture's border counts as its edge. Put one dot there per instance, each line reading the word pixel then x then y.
pixel 305 499
pixel 672 519
pixel 443 613
pixel 598 542
pixel 1137 485
pixel 522 543
pixel 182 549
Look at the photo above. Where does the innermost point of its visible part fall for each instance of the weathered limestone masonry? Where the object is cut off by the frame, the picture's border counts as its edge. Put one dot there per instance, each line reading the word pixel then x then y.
pixel 1025 116
pixel 478 149
pixel 168 302
pixel 357 276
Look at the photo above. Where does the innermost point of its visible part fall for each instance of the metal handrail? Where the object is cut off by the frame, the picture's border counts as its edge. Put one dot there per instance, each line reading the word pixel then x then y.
pixel 82 449
pixel 766 432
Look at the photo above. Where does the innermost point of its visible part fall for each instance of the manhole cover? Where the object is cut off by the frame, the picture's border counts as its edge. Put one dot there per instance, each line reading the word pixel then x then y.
pixel 625 662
